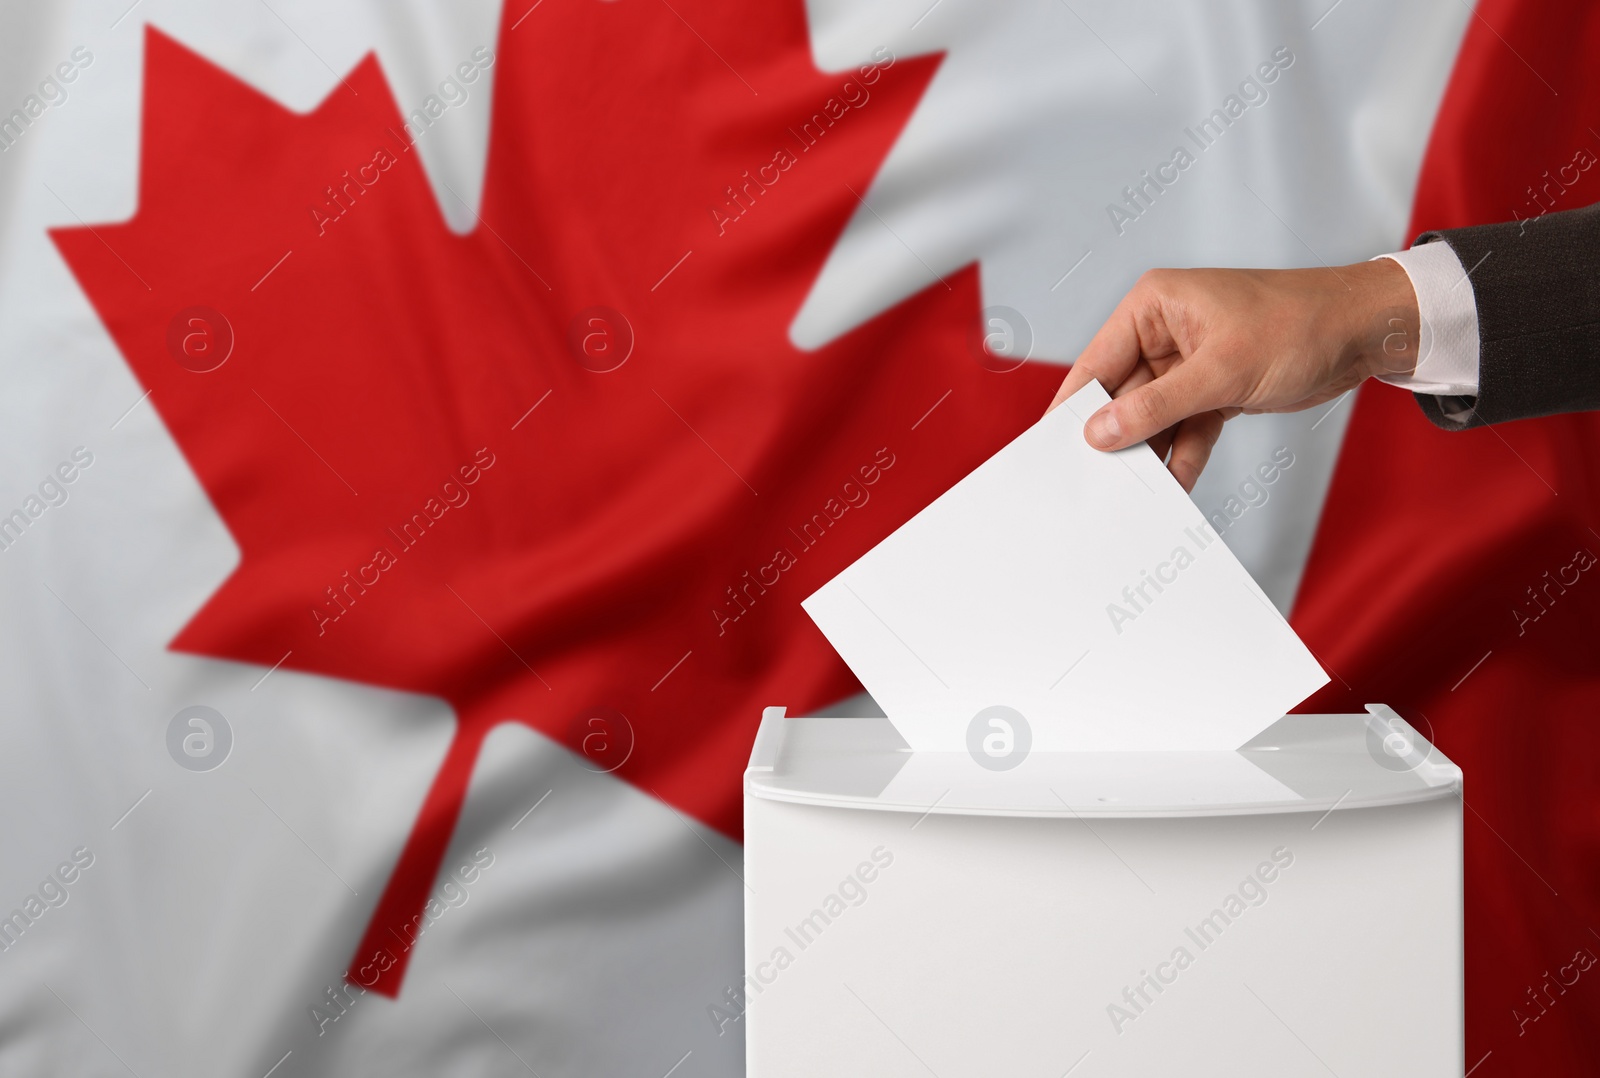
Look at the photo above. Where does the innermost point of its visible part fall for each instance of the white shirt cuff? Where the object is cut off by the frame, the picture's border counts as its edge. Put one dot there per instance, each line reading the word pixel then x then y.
pixel 1447 361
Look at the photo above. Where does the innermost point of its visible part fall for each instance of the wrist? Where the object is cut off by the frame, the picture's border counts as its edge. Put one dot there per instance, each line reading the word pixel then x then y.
pixel 1385 336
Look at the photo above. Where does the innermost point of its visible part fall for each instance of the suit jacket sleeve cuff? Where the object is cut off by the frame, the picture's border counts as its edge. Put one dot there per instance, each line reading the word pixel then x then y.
pixel 1536 287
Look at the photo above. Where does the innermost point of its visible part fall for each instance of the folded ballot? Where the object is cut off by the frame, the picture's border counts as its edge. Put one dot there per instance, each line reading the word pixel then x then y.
pixel 1080 590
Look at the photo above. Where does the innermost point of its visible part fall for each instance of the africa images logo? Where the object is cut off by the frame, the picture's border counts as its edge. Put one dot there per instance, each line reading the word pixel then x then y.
pixel 999 738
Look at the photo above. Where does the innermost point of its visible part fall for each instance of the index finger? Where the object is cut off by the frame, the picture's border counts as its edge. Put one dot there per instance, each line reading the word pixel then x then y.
pixel 1109 356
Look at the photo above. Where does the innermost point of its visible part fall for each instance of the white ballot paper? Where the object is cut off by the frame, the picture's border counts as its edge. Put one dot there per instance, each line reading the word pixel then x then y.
pixel 1083 589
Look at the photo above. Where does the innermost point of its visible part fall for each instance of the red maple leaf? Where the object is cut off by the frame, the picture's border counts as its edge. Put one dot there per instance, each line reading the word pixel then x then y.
pixel 405 520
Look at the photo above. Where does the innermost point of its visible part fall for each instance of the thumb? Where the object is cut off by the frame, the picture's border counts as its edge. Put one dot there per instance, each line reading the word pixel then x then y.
pixel 1188 388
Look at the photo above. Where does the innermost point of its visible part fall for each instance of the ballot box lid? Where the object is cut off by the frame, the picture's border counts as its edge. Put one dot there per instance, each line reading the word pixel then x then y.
pixel 1302 763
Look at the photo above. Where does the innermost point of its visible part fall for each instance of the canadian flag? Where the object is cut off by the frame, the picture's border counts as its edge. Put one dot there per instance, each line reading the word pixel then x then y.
pixel 423 422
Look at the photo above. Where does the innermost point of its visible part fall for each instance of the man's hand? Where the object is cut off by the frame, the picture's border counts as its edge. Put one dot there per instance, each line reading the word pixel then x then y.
pixel 1187 350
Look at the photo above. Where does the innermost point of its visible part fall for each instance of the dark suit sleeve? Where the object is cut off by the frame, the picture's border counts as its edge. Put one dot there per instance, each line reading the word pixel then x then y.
pixel 1537 289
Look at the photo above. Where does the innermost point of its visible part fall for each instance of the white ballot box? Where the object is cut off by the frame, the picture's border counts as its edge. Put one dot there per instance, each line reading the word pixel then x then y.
pixel 1291 908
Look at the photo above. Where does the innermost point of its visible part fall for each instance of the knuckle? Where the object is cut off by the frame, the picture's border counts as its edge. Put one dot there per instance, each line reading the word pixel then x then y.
pixel 1149 406
pixel 1157 279
pixel 1084 367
